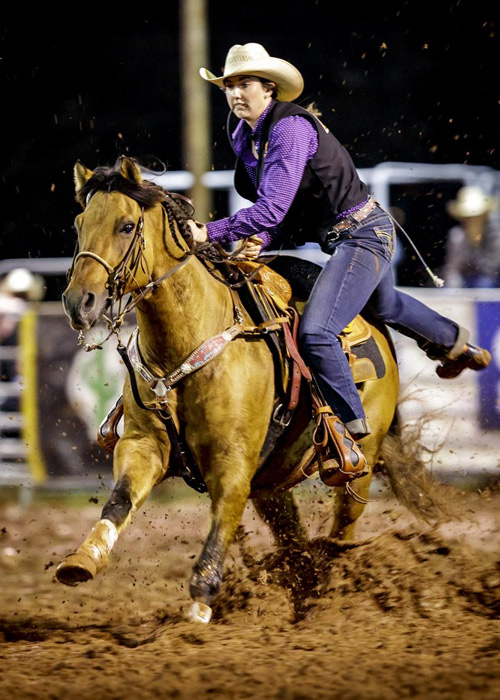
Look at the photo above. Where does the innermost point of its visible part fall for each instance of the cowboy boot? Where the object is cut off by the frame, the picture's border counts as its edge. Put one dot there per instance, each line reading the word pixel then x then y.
pixel 470 357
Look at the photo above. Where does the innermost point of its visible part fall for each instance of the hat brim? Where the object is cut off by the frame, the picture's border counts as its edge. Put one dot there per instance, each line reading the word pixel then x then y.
pixel 289 82
pixel 461 211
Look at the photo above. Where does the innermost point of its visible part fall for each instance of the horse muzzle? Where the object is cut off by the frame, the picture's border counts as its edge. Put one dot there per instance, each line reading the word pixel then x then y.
pixel 83 307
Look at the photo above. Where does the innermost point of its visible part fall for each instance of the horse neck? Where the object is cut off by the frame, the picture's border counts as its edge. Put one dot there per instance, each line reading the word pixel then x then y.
pixel 188 307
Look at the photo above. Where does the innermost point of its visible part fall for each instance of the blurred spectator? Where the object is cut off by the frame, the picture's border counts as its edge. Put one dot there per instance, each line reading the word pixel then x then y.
pixel 17 289
pixel 472 255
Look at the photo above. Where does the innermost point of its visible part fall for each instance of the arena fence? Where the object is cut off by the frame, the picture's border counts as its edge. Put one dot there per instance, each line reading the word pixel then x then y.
pixel 55 394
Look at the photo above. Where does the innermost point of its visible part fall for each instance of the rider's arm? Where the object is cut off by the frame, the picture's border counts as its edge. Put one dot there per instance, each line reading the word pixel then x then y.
pixel 292 143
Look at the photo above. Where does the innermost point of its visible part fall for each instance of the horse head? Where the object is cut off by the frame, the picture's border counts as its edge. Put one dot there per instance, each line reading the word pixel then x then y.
pixel 116 250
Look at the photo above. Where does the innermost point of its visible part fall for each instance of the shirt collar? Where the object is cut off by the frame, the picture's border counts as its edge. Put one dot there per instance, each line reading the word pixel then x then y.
pixel 243 131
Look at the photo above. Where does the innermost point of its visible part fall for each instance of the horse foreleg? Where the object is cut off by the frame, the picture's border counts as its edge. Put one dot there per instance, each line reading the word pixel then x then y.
pixel 228 503
pixel 281 514
pixel 137 467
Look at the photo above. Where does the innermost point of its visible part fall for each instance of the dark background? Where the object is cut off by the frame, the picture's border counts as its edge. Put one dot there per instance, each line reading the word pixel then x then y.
pixel 409 83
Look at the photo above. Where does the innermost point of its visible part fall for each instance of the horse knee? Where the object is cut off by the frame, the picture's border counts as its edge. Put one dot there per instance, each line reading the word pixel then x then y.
pixel 119 504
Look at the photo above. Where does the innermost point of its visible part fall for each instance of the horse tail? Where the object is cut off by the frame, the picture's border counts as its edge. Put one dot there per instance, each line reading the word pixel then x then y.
pixel 412 482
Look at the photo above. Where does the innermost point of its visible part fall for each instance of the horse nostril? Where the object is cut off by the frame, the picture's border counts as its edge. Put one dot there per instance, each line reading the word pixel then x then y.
pixel 88 302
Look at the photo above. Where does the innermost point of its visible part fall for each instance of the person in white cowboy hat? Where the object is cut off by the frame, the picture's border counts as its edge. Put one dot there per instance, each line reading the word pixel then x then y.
pixel 472 255
pixel 17 288
pixel 304 187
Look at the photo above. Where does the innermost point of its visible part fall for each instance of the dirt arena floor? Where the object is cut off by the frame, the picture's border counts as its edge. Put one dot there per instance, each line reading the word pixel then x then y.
pixel 413 611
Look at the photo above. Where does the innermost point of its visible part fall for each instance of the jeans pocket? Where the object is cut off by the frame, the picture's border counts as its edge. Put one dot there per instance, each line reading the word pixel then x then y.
pixel 387 236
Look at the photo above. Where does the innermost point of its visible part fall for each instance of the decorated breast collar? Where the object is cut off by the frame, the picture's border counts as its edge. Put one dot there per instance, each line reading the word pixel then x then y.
pixel 206 352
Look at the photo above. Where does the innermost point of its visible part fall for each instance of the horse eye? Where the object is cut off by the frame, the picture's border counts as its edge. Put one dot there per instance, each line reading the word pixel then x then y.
pixel 127 228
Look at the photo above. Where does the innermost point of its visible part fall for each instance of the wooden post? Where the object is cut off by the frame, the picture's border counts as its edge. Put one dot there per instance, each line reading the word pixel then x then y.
pixel 197 149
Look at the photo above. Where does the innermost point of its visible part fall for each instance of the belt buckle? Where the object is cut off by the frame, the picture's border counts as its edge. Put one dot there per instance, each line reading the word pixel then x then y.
pixel 333 235
pixel 338 229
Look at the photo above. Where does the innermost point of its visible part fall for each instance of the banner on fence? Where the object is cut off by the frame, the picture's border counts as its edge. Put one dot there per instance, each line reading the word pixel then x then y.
pixel 488 327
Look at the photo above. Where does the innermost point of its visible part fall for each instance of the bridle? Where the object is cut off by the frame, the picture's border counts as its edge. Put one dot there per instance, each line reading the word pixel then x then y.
pixel 125 271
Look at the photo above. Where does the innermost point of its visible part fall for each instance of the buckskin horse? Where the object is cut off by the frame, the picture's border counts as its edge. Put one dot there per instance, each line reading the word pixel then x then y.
pixel 133 241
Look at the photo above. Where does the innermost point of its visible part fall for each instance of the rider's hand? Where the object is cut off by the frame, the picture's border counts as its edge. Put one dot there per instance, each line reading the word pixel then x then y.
pixel 198 231
pixel 252 248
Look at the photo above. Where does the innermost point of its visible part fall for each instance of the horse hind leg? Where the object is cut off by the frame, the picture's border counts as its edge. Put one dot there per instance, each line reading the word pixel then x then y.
pixel 280 513
pixel 347 509
pixel 130 491
pixel 379 399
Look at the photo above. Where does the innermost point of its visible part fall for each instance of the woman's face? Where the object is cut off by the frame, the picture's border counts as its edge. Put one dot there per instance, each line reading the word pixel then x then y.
pixel 247 96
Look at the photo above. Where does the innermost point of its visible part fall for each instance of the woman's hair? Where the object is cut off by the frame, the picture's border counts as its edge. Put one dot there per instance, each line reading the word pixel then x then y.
pixel 271 85
pixel 313 109
pixel 267 83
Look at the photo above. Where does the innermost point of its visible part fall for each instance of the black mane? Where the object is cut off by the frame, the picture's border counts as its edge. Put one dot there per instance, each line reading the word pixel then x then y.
pixel 108 179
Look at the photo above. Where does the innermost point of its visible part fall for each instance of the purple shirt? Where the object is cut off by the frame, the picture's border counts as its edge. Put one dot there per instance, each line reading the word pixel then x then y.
pixel 293 141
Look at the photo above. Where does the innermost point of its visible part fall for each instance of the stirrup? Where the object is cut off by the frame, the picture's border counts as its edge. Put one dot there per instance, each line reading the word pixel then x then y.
pixel 107 435
pixel 340 457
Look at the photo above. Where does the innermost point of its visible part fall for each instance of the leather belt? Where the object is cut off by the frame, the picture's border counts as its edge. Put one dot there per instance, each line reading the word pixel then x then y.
pixel 351 220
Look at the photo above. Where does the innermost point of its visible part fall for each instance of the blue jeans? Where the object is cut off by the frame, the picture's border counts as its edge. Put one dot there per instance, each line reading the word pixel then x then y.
pixel 359 275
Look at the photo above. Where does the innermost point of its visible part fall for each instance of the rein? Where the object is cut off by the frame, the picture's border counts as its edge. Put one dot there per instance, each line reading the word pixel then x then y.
pixel 215 253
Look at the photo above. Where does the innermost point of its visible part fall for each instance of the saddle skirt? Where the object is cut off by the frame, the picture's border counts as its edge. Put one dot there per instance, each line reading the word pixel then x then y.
pixel 273 294
pixel 365 359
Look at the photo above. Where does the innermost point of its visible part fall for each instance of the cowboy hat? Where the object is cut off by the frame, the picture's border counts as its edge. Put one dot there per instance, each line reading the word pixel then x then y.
pixel 471 201
pixel 253 59
pixel 21 282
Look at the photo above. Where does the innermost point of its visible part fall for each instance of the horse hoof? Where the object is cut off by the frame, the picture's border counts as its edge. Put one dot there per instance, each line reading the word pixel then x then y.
pixel 199 612
pixel 76 568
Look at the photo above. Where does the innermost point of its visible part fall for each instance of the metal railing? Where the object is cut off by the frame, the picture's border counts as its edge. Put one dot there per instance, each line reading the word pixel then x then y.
pixel 379 179
pixel 13 468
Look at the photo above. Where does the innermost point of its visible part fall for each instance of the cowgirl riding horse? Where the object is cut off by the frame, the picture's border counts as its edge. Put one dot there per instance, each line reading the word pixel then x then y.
pixel 305 187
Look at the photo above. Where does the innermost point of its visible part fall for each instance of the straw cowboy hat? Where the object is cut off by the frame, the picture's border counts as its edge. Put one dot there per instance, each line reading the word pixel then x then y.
pixel 21 282
pixel 253 59
pixel 471 201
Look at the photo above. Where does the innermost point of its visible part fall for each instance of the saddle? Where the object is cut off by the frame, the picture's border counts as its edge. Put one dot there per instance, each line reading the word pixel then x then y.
pixel 269 294
pixel 268 298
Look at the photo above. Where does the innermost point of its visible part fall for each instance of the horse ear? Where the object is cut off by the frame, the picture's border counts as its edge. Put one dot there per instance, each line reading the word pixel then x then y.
pixel 130 170
pixel 81 174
